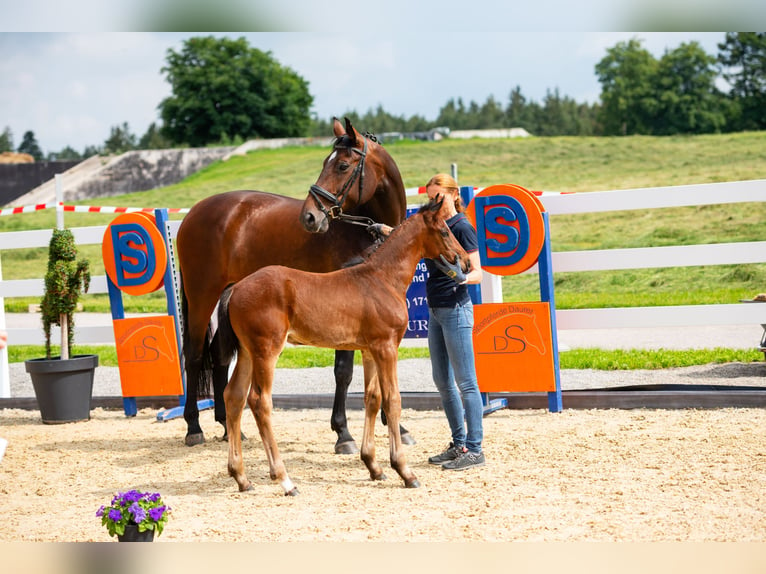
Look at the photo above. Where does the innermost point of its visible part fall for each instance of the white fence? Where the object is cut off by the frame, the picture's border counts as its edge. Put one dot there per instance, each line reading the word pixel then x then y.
pixel 555 204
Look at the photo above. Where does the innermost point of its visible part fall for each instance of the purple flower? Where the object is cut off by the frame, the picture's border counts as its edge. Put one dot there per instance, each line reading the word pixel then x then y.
pixel 156 513
pixel 115 515
pixel 139 514
pixel 131 496
pixel 100 511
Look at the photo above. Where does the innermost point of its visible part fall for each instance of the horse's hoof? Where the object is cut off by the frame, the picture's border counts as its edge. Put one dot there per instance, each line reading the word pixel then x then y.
pixel 414 484
pixel 293 492
pixel 194 439
pixel 246 488
pixel 408 439
pixel 381 476
pixel 348 447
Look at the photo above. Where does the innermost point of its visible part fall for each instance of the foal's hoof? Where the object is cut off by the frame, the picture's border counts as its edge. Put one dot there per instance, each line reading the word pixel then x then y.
pixel 413 484
pixel 293 492
pixel 408 439
pixel 348 447
pixel 194 439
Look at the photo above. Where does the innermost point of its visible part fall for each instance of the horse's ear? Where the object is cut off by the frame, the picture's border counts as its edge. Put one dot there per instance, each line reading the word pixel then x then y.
pixel 436 202
pixel 352 133
pixel 337 128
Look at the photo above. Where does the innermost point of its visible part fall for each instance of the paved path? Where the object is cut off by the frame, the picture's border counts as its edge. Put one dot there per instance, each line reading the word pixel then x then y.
pixel 415 374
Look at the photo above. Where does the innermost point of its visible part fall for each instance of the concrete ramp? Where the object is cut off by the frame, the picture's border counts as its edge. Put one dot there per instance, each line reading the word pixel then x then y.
pixel 73 177
pixel 129 172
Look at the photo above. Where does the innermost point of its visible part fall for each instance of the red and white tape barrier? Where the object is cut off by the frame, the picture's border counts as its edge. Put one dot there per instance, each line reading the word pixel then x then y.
pixel 418 190
pixel 86 209
pixel 410 191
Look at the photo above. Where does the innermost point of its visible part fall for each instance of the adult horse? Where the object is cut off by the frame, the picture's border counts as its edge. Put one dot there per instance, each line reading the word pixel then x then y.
pixel 226 237
pixel 363 307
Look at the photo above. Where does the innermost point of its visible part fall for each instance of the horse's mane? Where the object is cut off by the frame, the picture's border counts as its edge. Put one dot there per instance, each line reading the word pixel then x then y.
pixel 372 255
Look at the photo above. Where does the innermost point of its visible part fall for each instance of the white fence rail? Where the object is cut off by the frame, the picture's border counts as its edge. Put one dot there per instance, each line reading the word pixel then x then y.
pixel 556 204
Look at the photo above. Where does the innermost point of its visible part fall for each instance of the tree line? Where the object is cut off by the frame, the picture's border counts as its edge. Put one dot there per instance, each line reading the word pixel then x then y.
pixel 224 92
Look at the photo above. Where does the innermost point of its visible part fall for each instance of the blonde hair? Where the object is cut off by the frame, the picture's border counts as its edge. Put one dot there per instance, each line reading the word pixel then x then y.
pixel 447 182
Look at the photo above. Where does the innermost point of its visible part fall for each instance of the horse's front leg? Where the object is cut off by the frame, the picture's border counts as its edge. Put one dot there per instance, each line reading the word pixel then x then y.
pixel 259 401
pixel 371 408
pixel 235 396
pixel 386 363
pixel 344 371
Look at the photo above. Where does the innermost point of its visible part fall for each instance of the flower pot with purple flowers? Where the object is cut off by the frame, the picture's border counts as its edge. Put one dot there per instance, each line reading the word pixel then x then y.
pixel 135 516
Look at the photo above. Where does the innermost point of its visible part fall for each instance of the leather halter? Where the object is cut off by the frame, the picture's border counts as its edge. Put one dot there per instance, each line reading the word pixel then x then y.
pixel 335 211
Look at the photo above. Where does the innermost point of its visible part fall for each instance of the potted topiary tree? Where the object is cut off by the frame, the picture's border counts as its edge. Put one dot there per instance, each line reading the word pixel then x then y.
pixel 64 384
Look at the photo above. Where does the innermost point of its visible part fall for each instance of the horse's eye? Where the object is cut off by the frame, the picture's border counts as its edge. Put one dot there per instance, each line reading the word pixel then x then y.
pixel 444 232
pixel 343 166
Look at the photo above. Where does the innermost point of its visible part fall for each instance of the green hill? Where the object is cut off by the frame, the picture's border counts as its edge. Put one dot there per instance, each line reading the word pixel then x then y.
pixel 554 164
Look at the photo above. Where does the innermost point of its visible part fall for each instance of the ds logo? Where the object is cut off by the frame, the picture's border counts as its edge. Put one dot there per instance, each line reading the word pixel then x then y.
pixel 510 228
pixel 134 253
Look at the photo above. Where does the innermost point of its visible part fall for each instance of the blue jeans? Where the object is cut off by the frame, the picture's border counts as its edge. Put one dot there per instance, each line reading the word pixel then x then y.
pixel 450 343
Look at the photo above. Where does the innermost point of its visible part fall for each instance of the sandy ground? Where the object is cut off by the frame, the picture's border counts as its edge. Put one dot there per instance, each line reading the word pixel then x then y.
pixel 579 475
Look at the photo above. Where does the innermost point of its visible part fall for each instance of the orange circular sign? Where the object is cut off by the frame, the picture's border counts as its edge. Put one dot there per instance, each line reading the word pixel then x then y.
pixel 134 253
pixel 510 228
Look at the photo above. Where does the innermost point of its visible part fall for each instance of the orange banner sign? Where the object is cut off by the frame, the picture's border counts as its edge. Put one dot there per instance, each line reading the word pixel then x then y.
pixel 147 354
pixel 513 347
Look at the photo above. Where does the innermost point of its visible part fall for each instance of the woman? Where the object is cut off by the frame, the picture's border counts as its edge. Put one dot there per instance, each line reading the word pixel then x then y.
pixel 450 335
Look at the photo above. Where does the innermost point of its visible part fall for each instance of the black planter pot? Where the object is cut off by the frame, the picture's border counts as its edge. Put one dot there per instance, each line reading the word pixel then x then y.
pixel 132 534
pixel 63 388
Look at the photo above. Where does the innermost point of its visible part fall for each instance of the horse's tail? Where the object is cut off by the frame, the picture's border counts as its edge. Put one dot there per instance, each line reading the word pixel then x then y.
pixel 227 338
pixel 184 320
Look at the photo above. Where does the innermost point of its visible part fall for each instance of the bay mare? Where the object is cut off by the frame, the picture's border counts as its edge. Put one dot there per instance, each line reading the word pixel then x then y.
pixel 227 236
pixel 358 308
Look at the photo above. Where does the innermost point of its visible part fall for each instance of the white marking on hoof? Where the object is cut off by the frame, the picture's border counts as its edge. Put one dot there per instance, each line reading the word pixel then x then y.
pixel 287 485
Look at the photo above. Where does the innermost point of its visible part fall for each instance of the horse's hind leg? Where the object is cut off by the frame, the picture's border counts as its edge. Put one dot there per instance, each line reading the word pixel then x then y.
pixel 235 396
pixel 259 401
pixel 220 379
pixel 344 371
pixel 407 437
pixel 371 408
pixel 386 363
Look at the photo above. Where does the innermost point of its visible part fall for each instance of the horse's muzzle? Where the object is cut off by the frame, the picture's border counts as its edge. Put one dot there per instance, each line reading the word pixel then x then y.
pixel 314 222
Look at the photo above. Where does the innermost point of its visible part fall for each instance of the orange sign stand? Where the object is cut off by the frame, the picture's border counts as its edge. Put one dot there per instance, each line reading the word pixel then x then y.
pixel 515 344
pixel 138 260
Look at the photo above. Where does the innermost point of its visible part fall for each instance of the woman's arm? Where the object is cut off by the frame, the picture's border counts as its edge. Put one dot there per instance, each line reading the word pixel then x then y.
pixel 475 275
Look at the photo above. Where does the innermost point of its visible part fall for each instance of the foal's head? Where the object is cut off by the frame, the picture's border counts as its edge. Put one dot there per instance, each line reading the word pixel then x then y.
pixel 438 238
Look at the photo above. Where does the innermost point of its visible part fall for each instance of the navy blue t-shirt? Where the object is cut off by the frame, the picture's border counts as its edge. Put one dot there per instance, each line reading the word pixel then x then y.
pixel 442 291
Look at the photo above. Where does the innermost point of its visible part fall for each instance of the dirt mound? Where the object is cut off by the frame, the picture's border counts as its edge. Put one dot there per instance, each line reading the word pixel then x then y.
pixel 13 157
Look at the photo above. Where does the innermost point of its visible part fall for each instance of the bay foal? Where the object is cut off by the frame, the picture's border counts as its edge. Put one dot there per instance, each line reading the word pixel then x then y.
pixel 362 307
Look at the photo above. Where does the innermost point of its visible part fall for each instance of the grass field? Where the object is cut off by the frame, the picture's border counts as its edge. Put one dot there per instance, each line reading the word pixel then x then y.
pixel 555 164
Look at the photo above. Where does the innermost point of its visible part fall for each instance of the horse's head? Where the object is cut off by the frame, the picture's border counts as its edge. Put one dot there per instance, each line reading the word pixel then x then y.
pixel 438 238
pixel 351 176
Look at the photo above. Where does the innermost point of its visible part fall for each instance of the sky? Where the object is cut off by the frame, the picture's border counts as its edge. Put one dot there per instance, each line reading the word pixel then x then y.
pixel 72 71
pixel 72 88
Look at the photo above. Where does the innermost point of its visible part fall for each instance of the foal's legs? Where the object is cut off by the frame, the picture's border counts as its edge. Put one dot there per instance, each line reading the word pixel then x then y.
pixel 235 396
pixel 386 362
pixel 371 408
pixel 259 401
pixel 220 379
